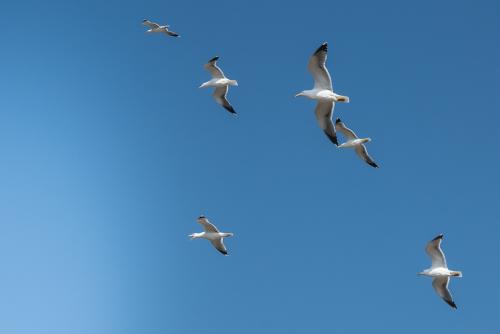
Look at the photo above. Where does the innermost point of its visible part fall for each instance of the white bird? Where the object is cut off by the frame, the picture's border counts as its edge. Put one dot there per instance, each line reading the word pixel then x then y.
pixel 439 270
pixel 221 84
pixel 354 141
pixel 212 233
pixel 156 28
pixel 323 92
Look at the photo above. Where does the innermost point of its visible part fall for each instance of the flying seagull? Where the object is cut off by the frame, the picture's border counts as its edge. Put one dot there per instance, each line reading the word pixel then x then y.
pixel 221 84
pixel 156 28
pixel 439 270
pixel 354 141
pixel 323 92
pixel 212 233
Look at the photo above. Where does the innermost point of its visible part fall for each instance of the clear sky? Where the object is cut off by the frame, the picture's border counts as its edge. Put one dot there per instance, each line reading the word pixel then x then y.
pixel 109 152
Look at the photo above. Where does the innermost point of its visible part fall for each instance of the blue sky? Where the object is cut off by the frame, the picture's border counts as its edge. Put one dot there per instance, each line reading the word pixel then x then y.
pixel 109 152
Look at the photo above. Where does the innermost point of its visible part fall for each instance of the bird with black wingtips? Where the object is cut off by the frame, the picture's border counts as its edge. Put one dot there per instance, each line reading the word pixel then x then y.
pixel 156 28
pixel 212 234
pixel 220 83
pixel 323 92
pixel 354 142
pixel 439 270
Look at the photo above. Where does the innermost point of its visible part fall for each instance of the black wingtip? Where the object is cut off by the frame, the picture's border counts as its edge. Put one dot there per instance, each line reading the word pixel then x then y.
pixel 438 237
pixel 214 59
pixel 323 47
pixel 373 164
pixel 338 121
pixel 451 303
pixel 144 20
pixel 333 139
pixel 230 109
pixel 223 252
pixel 201 217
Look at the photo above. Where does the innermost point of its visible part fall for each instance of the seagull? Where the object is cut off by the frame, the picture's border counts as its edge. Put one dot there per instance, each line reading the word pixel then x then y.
pixel 439 270
pixel 212 233
pixel 354 141
pixel 155 28
pixel 323 92
pixel 221 84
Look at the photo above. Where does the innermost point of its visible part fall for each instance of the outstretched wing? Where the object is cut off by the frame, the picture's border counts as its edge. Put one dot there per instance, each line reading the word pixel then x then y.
pixel 433 248
pixel 214 70
pixel 219 245
pixel 207 226
pixel 150 24
pixel 363 154
pixel 324 111
pixel 348 133
pixel 171 33
pixel 220 96
pixel 440 284
pixel 317 67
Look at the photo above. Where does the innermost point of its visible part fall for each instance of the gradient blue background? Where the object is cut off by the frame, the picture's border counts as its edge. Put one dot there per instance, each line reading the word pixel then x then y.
pixel 109 152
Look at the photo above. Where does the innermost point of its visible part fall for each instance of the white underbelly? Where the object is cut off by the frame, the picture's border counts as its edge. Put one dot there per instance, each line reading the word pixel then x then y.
pixel 439 272
pixel 212 236
pixel 324 95
pixel 221 82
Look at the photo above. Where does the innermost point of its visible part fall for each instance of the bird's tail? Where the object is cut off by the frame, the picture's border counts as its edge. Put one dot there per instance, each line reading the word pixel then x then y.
pixel 456 273
pixel 342 98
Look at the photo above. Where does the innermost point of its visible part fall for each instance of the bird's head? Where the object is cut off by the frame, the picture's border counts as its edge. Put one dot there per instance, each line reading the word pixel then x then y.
pixel 423 273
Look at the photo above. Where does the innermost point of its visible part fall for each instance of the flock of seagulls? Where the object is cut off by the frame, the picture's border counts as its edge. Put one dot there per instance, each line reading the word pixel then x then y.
pixel 326 99
pixel 438 271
